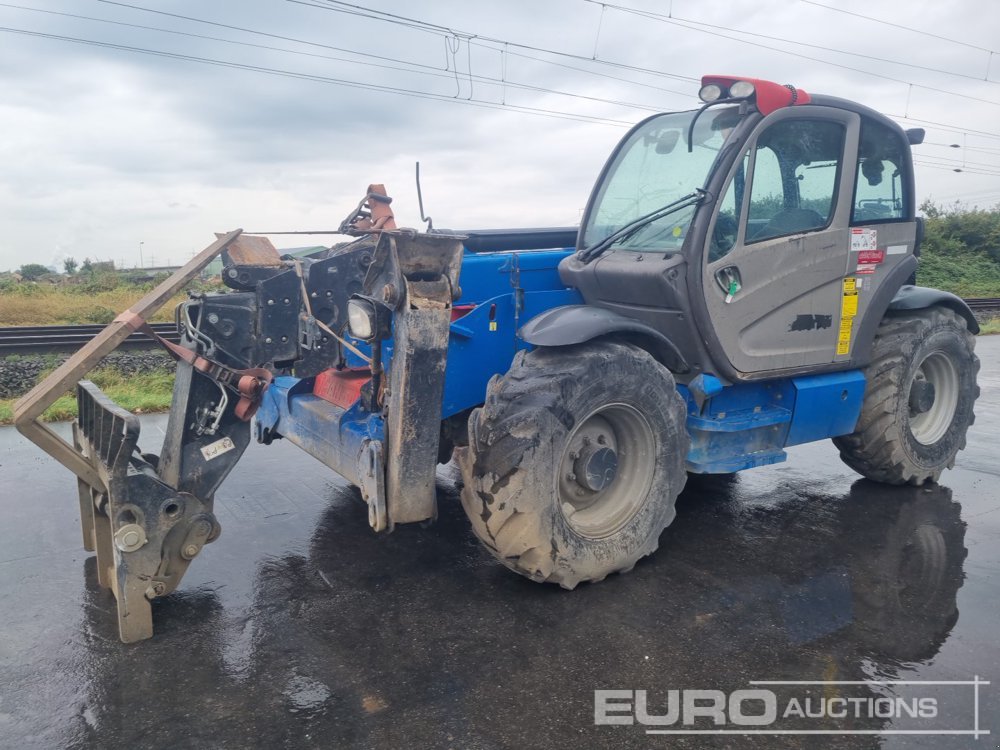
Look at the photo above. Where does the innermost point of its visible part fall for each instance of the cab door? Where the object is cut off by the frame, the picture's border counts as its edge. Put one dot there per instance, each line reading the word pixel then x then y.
pixel 779 246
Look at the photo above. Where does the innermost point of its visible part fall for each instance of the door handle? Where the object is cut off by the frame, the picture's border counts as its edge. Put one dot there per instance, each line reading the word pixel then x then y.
pixel 728 279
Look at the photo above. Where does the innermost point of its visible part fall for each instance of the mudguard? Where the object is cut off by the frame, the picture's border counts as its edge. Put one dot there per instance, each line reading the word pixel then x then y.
pixel 911 297
pixel 576 324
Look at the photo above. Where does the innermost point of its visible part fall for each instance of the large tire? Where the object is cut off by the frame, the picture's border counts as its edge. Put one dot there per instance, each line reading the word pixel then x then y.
pixel 553 409
pixel 908 433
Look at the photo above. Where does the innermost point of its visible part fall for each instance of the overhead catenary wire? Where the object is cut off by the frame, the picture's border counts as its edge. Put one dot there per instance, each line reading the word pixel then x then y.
pixel 420 68
pixel 673 20
pixel 540 111
pixel 825 48
pixel 900 26
pixel 386 16
pixel 369 54
pixel 972 167
pixel 337 6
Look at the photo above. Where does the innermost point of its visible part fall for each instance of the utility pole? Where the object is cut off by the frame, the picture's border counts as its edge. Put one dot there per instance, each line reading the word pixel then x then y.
pixel 140 254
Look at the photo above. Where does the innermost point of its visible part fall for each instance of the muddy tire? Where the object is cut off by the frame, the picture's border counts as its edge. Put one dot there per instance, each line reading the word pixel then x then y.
pixel 918 400
pixel 575 461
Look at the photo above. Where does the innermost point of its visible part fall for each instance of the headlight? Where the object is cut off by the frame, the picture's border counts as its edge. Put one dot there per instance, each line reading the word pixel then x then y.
pixel 741 90
pixel 710 93
pixel 368 319
pixel 361 319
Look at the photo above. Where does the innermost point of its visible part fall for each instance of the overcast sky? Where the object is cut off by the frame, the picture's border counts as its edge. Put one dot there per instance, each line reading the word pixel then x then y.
pixel 104 148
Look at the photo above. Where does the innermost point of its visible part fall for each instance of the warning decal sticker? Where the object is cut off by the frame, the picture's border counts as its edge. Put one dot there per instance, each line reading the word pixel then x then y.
pixel 871 256
pixel 863 239
pixel 848 311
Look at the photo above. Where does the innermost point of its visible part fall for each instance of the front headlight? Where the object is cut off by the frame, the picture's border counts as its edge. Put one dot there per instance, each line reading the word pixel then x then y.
pixel 361 319
pixel 710 93
pixel 741 90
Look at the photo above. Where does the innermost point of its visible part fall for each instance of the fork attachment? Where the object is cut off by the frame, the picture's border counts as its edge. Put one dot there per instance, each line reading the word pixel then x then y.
pixel 145 532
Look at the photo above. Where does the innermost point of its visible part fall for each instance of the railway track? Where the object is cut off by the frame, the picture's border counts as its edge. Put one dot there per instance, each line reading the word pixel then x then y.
pixel 54 339
pixel 984 303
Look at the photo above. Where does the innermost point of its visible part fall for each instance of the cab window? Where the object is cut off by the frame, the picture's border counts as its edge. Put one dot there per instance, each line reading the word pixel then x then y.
pixel 878 193
pixel 727 221
pixel 795 176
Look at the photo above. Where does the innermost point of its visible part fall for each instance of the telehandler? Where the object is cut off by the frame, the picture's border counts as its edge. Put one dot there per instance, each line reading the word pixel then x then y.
pixel 741 282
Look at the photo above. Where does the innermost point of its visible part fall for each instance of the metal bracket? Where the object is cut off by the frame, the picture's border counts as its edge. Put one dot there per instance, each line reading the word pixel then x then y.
pixel 371 475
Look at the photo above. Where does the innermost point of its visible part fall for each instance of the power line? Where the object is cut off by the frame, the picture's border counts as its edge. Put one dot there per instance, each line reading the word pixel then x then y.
pixel 265 34
pixel 945 126
pixel 965 148
pixel 944 161
pixel 583 70
pixel 325 79
pixel 947 168
pixel 814 46
pixel 900 26
pixel 691 27
pixel 427 70
pixel 336 6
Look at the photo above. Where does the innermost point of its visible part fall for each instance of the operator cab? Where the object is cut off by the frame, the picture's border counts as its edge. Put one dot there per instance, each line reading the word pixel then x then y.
pixel 767 215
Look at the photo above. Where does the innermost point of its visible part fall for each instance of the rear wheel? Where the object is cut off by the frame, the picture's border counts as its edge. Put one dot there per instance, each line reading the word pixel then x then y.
pixel 918 401
pixel 575 461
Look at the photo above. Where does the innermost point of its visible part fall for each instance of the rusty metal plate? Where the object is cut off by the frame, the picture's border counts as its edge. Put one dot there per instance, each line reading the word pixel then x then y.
pixel 251 250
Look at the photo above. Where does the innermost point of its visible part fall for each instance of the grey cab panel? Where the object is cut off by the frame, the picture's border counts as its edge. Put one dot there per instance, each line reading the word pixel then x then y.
pixel 786 277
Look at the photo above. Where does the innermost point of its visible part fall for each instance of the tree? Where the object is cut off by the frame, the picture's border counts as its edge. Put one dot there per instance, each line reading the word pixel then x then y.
pixel 32 271
pixel 69 266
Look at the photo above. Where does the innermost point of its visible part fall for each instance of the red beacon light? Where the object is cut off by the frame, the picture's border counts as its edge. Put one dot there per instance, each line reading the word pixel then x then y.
pixel 768 95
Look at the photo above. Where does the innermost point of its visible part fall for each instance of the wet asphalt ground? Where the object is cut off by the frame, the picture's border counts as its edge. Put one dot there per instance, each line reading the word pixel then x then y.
pixel 301 628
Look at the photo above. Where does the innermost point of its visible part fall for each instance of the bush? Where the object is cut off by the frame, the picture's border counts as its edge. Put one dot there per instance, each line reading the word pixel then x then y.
pixel 961 250
pixel 99 282
pixel 32 271
pixel 96 314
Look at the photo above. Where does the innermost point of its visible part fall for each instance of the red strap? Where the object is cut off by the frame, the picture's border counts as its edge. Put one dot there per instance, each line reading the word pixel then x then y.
pixel 249 384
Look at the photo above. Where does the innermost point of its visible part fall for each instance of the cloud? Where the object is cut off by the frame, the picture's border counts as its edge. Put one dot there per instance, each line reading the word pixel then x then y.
pixel 103 148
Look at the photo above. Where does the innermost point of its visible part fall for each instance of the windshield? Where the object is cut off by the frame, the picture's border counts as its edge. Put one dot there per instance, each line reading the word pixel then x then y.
pixel 653 169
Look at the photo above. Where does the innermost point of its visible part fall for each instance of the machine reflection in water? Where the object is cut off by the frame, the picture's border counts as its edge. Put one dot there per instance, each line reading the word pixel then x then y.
pixel 416 633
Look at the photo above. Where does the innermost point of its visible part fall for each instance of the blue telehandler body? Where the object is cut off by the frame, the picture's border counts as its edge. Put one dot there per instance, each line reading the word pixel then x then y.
pixel 741 282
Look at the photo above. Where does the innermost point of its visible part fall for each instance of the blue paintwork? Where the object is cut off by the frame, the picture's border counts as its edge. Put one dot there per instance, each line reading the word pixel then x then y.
pixel 508 289
pixel 704 386
pixel 749 424
pixel 826 406
pixel 732 427
pixel 333 435
pixel 742 426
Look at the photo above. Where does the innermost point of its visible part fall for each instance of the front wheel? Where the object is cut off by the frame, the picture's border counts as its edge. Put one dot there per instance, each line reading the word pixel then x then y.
pixel 575 461
pixel 918 400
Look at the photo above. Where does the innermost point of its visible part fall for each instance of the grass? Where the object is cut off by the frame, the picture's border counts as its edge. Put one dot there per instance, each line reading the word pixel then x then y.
pixel 140 394
pixel 990 328
pixel 32 305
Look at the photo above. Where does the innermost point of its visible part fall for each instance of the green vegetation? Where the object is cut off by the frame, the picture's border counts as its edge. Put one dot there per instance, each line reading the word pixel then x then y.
pixel 140 394
pixel 32 271
pixel 990 328
pixel 961 250
pixel 91 296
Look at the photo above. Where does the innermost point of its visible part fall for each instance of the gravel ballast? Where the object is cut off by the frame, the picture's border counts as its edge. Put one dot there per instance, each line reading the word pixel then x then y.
pixel 18 374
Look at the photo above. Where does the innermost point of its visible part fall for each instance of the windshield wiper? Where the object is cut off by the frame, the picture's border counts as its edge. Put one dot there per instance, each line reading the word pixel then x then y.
pixel 587 254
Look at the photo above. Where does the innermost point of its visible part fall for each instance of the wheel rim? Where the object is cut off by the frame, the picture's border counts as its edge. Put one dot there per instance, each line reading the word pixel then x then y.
pixel 606 470
pixel 931 416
